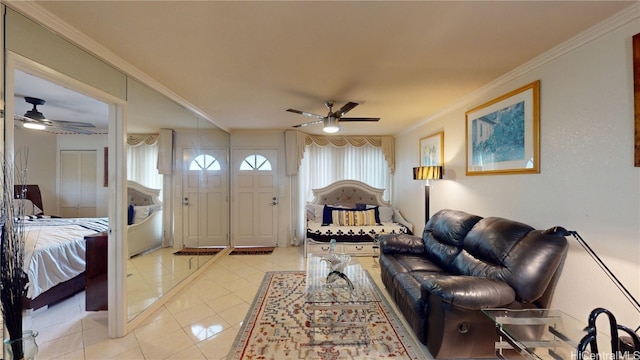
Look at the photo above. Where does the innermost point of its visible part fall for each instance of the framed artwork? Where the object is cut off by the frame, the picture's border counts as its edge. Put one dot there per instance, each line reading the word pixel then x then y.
pixel 432 150
pixel 503 135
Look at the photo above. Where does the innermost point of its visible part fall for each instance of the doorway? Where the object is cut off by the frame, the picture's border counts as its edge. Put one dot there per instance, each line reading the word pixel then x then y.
pixel 205 215
pixel 255 205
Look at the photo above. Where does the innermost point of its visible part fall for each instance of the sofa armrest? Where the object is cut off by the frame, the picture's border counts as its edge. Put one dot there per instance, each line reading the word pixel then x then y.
pixel 468 292
pixel 401 244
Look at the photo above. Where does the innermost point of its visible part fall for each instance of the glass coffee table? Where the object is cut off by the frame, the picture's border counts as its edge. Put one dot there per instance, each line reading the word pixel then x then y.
pixel 338 302
pixel 537 333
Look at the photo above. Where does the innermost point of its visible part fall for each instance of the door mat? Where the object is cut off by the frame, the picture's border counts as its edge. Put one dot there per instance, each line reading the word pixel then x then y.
pixel 277 326
pixel 198 251
pixel 252 251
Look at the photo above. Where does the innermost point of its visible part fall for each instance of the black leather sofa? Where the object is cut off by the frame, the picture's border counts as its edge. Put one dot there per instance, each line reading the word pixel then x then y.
pixel 462 264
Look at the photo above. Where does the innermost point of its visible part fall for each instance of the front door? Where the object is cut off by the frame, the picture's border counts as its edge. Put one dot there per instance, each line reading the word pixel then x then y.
pixel 205 209
pixel 255 211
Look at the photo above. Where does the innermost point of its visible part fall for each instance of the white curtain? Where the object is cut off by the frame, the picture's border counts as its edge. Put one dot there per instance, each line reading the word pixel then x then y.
pixel 323 165
pixel 142 160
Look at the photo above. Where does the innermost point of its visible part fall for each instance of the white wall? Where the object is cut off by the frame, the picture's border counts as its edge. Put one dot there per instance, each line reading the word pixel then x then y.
pixel 42 150
pixel 587 180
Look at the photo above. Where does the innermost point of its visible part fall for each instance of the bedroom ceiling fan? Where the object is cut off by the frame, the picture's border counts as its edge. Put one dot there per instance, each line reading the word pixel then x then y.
pixel 331 122
pixel 34 119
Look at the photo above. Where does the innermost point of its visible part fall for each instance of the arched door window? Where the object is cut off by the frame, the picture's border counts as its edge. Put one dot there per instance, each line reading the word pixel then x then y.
pixel 205 162
pixel 255 162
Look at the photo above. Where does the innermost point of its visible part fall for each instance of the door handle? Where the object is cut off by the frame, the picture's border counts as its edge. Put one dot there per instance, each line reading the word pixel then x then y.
pixel 185 201
pixel 274 201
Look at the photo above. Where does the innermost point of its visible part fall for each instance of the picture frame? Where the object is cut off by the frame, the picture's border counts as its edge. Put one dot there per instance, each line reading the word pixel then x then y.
pixel 432 150
pixel 503 135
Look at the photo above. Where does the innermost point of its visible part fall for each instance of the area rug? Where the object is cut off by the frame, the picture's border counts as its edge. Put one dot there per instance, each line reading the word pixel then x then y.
pixel 252 251
pixel 198 251
pixel 277 327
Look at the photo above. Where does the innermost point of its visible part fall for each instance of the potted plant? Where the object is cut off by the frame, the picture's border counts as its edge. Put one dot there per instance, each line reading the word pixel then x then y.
pixel 20 344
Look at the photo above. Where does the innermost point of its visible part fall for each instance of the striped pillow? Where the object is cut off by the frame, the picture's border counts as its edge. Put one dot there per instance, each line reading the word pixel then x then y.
pixel 353 217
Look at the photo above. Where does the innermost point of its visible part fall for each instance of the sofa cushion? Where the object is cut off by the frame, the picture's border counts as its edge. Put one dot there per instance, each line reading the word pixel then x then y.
pixel 444 234
pixel 467 292
pixel 512 252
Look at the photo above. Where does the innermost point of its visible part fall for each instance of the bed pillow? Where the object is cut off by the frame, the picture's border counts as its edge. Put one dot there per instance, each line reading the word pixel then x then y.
pixel 386 214
pixel 130 213
pixel 327 210
pixel 314 212
pixel 360 206
pixel 27 206
pixel 353 217
pixel 140 213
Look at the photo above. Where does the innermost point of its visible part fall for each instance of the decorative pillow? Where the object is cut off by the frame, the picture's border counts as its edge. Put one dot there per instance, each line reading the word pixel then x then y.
pixel 353 217
pixel 327 210
pixel 386 214
pixel 140 213
pixel 130 213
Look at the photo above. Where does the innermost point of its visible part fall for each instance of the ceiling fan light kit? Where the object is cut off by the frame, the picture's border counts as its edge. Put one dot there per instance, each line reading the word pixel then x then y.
pixel 331 125
pixel 35 120
pixel 331 122
pixel 34 126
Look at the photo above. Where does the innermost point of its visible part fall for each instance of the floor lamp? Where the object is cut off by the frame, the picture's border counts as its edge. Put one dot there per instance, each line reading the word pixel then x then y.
pixel 427 173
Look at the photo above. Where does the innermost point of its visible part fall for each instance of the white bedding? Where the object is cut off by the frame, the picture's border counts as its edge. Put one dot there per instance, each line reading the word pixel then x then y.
pixel 55 250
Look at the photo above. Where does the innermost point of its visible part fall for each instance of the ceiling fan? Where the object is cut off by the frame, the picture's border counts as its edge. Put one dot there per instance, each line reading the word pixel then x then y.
pixel 34 119
pixel 331 122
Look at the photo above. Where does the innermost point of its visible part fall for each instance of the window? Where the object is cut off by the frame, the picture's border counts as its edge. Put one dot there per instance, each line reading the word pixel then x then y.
pixel 205 162
pixel 255 162
pixel 323 165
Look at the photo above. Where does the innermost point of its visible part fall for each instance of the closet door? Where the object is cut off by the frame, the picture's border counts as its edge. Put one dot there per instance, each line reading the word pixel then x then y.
pixel 78 182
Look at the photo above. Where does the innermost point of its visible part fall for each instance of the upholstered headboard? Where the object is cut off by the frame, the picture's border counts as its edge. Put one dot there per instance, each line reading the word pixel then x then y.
pixel 140 195
pixel 348 193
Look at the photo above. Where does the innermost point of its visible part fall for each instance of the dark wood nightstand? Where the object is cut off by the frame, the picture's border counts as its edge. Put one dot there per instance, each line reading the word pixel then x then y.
pixel 96 273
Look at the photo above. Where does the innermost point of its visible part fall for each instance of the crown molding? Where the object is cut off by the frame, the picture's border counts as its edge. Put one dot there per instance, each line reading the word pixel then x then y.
pixel 632 13
pixel 37 13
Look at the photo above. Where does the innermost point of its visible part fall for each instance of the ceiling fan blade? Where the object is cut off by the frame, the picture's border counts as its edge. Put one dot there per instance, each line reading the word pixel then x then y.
pixel 345 108
pixel 77 130
pixel 359 119
pixel 309 123
pixel 305 113
pixel 71 123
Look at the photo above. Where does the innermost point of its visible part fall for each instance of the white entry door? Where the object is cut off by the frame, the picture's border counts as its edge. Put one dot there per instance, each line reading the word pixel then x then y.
pixel 255 210
pixel 205 204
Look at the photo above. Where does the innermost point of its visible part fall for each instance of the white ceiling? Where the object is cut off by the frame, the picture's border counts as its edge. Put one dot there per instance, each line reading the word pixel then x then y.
pixel 243 63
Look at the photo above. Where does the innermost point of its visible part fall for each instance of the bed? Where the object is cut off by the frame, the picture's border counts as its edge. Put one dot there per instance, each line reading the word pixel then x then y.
pixel 55 248
pixel 144 217
pixel 354 214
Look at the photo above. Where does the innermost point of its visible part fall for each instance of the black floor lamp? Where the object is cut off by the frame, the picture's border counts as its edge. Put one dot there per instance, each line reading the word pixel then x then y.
pixel 427 173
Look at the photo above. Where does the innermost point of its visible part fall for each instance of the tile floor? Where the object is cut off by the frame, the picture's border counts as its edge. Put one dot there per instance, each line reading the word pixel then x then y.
pixel 199 323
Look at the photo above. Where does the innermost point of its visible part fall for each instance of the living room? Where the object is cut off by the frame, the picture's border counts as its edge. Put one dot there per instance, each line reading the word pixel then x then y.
pixel 587 181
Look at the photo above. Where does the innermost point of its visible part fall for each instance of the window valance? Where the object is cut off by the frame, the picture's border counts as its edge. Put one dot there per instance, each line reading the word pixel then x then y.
pixel 137 139
pixel 297 140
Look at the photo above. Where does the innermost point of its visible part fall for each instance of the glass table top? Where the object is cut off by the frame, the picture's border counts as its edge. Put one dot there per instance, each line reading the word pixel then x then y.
pixel 347 284
pixel 539 333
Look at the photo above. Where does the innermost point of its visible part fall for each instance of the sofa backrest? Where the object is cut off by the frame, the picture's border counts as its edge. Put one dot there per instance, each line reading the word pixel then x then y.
pixel 512 252
pixel 443 236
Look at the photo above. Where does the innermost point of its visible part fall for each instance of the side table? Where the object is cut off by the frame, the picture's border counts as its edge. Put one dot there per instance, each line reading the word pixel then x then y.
pixel 537 333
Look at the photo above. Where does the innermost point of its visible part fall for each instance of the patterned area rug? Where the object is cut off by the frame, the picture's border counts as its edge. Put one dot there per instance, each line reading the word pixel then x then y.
pixel 277 327
pixel 252 250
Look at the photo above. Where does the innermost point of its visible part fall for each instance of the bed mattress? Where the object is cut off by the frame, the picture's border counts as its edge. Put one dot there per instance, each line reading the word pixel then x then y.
pixel 55 250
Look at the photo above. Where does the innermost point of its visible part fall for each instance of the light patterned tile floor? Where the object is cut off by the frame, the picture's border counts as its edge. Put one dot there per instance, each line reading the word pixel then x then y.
pixel 199 323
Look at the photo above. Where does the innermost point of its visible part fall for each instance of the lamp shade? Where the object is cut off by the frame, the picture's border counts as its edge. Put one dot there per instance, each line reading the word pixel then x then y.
pixel 427 172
